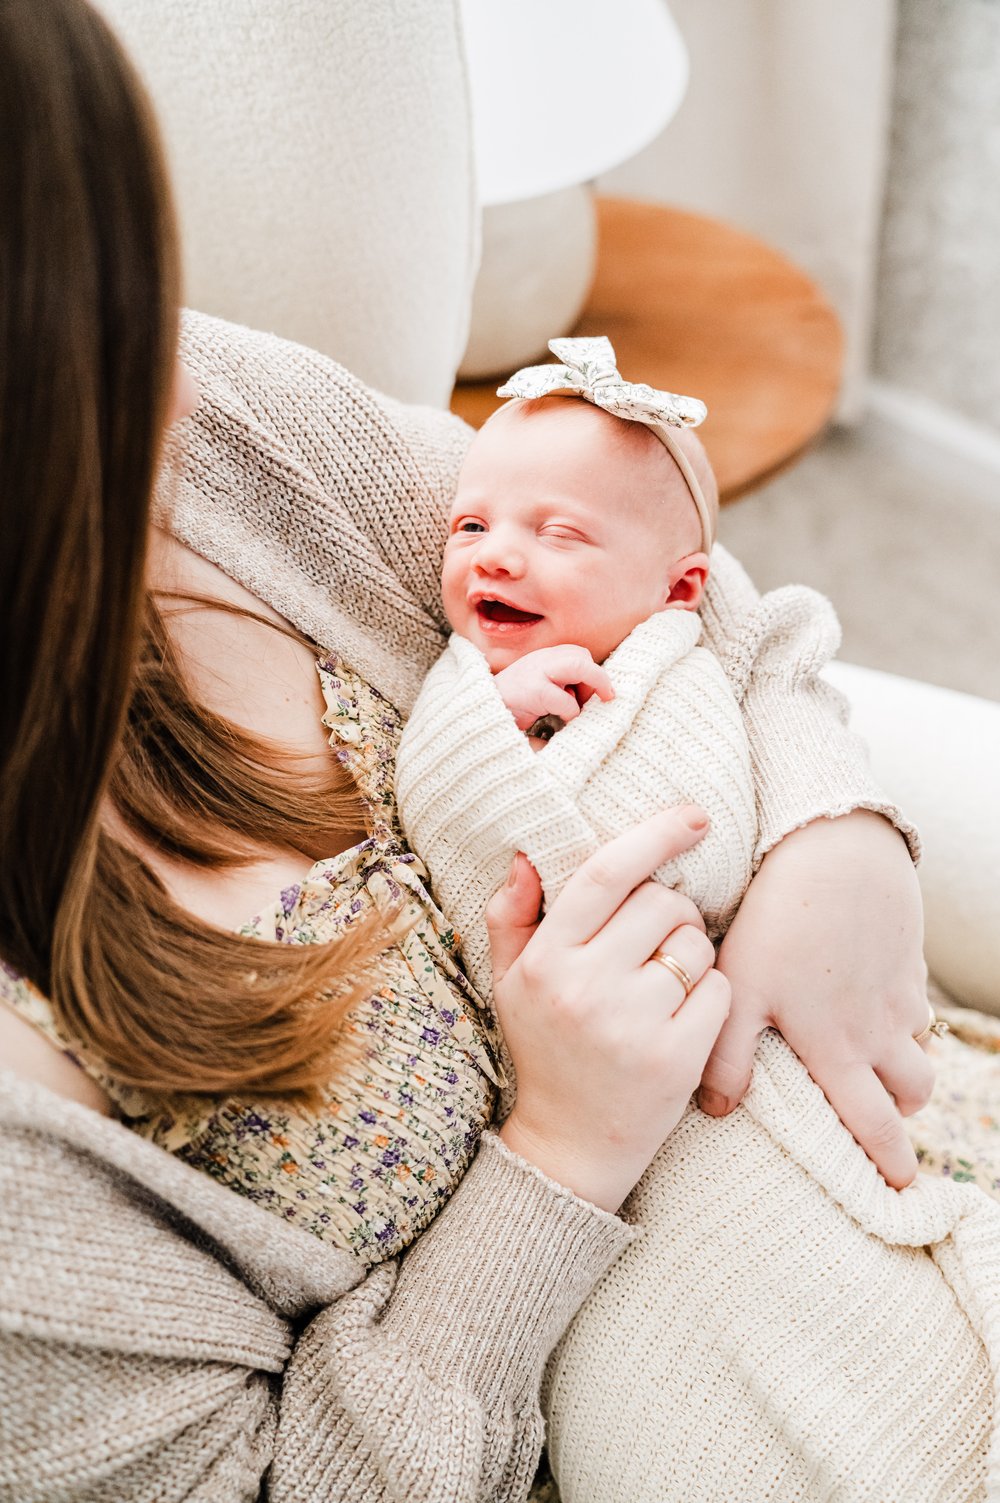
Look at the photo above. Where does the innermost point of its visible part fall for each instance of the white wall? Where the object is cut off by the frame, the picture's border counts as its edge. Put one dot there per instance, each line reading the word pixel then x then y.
pixel 938 315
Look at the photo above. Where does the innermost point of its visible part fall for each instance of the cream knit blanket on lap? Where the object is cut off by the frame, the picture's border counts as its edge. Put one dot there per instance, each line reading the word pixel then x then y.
pixel 787 1327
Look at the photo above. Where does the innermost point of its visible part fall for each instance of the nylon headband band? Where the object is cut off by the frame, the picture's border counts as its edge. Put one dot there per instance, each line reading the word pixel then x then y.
pixel 669 442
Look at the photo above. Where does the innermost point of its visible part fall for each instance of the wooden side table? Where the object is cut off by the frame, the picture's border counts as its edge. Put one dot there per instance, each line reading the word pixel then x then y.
pixel 695 306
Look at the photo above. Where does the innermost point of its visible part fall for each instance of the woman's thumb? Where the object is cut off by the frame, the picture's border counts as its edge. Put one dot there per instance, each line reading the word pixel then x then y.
pixel 512 915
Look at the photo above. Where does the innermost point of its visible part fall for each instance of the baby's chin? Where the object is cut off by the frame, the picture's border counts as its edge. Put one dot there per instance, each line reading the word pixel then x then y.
pixel 500 656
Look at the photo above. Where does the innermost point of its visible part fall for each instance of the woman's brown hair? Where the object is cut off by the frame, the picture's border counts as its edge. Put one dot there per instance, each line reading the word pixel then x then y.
pixel 94 711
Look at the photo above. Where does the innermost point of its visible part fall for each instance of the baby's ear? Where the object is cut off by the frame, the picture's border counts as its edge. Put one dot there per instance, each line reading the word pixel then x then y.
pixel 686 582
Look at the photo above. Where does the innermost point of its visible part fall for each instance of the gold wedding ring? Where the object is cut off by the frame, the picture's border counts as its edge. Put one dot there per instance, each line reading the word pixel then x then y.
pixel 675 968
pixel 935 1025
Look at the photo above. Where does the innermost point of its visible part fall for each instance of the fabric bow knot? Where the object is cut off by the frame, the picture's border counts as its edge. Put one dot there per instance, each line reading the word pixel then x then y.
pixel 589 371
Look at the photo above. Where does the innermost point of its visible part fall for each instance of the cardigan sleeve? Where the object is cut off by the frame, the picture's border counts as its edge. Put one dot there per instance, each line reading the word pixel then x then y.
pixel 161 1336
pixel 424 1385
pixel 807 763
pixel 322 497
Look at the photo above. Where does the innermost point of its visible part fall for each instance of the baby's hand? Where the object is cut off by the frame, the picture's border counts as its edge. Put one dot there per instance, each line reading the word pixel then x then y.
pixel 551 681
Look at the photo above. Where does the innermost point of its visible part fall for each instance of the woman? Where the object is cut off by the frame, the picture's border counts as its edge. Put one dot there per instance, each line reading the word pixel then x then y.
pixel 162 1336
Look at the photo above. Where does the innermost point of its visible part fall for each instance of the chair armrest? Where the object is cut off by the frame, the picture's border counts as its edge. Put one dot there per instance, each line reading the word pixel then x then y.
pixel 937 754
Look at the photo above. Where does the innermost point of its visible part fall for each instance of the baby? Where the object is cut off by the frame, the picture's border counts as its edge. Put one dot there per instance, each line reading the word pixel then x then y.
pixel 577 556
pixel 570 526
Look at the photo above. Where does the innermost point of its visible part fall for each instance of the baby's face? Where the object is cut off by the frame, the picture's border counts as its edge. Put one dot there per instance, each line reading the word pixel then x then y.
pixel 564 530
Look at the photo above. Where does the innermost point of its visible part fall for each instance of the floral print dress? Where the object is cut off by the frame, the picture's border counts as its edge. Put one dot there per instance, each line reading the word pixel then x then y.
pixel 394 1132
pixel 957 1134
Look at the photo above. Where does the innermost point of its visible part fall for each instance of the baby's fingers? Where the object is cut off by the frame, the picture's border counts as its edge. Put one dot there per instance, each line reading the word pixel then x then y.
pixel 594 681
pixel 554 700
pixel 572 667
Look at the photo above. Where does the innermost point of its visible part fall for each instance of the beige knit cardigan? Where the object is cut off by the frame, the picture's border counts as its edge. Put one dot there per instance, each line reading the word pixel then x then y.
pixel 162 1338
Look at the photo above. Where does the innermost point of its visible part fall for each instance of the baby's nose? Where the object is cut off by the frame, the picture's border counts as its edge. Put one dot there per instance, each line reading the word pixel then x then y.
pixel 499 554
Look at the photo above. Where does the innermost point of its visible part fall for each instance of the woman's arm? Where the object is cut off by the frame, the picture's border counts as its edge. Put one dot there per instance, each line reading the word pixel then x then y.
pixel 148 1330
pixel 807 763
pixel 150 1320
pixel 423 1383
pixel 324 499
pixel 827 945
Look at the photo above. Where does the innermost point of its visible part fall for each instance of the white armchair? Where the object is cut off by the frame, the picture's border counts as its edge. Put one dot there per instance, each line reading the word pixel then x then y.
pixel 321 154
pixel 322 162
pixel 937 753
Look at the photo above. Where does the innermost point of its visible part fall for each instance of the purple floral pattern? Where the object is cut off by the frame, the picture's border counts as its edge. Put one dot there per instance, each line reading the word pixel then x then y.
pixel 957 1134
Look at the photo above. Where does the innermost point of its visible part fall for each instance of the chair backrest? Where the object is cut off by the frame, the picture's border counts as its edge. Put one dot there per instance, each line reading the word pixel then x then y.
pixel 321 157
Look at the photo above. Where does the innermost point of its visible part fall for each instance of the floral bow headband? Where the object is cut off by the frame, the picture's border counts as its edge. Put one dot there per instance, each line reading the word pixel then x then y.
pixel 589 371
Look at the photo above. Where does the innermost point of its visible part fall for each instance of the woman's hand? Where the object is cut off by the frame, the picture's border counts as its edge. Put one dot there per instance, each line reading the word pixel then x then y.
pixel 827 949
pixel 606 1047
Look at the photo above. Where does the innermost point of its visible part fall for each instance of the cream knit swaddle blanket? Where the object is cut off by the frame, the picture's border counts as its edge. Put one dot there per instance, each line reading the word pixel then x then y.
pixel 787 1327
pixel 471 791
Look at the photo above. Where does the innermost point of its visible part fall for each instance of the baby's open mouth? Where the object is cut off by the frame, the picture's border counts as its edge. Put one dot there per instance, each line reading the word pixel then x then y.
pixel 501 614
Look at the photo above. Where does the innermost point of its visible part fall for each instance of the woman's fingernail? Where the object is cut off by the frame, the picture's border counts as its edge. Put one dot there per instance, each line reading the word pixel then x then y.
pixel 713 1103
pixel 512 874
pixel 695 818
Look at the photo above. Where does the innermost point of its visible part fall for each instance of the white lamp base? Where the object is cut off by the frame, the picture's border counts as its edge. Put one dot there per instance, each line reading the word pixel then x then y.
pixel 536 270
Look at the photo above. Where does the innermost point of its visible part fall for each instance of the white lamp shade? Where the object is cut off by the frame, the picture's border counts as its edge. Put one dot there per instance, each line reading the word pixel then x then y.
pixel 562 90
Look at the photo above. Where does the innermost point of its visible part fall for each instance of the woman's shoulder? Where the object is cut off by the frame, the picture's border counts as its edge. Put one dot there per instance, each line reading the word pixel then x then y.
pixel 318 494
pixel 243 660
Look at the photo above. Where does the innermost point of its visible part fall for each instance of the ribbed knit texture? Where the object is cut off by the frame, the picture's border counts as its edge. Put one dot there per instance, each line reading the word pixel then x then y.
pixel 788 1327
pixel 149 1318
pixel 160 1337
pixel 771 648
pixel 471 792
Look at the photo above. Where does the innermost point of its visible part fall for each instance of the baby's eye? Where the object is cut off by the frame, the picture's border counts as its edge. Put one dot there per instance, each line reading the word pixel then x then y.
pixel 562 534
pixel 469 524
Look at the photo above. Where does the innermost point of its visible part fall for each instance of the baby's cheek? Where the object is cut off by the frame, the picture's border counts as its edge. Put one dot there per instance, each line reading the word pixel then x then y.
pixel 580 618
pixel 453 590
